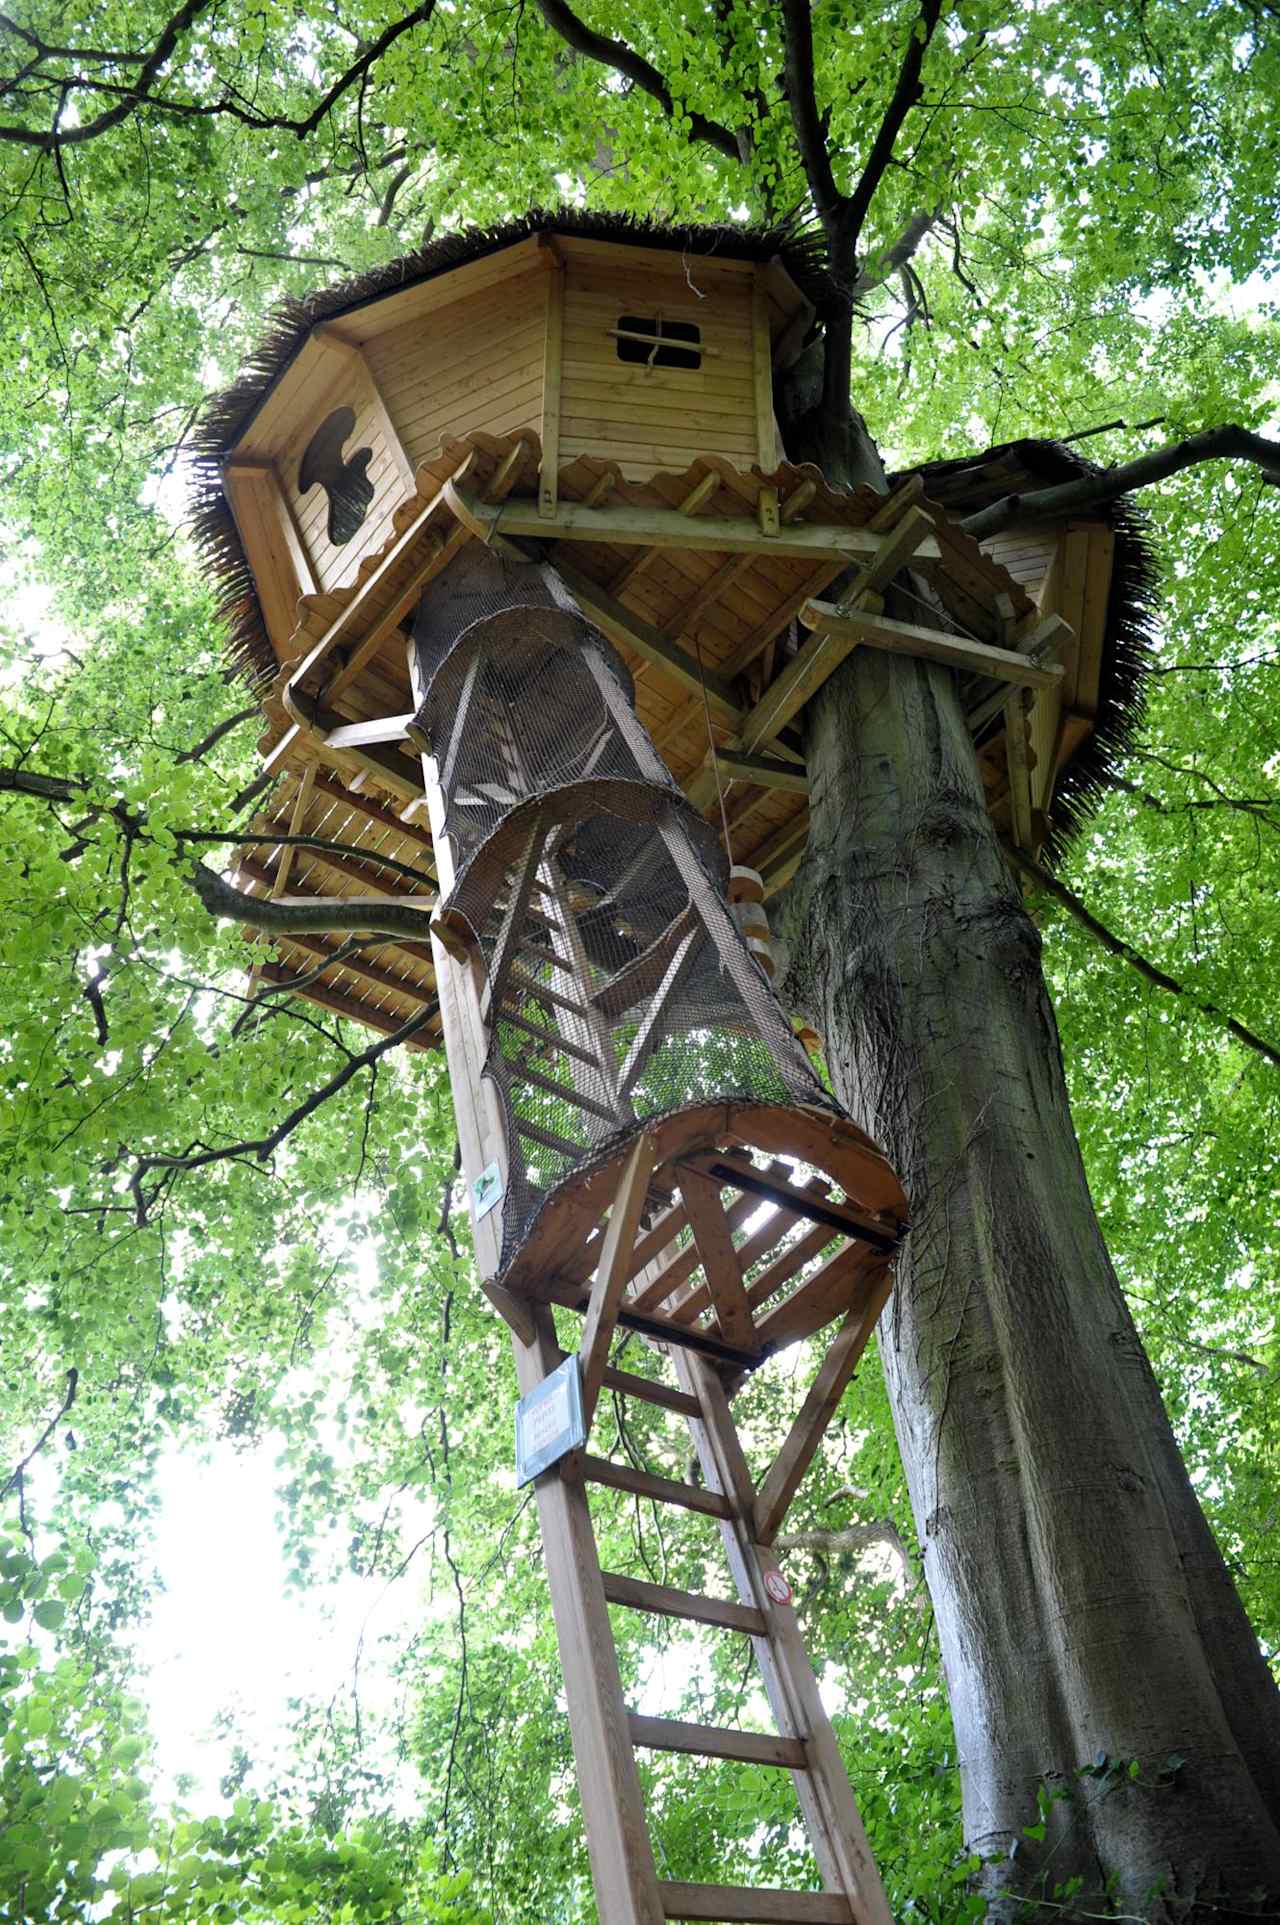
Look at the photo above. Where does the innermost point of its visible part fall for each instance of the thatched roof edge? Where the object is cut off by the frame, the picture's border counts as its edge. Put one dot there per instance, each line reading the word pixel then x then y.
pixel 1131 615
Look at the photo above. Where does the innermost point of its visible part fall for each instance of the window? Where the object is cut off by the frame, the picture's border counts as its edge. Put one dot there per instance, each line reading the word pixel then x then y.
pixel 655 343
pixel 346 483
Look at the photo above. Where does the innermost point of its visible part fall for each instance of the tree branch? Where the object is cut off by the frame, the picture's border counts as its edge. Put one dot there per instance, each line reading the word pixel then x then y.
pixel 328 916
pixel 634 67
pixel 215 735
pixel 1227 443
pixel 261 1147
pixel 904 97
pixel 807 123
pixel 186 15
pixel 14 1479
pixel 135 96
pixel 1127 953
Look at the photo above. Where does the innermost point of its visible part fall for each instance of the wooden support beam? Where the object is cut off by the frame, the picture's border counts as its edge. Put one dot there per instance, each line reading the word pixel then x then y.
pixel 649 1391
pixel 1019 756
pixel 718 1257
pixel 698 496
pixel 783 1478
pixel 905 638
pixel 713 1741
pixel 644 527
pixel 552 368
pixel 612 1271
pixel 823 653
pixel 762 772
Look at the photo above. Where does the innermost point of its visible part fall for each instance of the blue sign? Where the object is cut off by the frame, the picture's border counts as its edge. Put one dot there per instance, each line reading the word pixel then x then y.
pixel 549 1422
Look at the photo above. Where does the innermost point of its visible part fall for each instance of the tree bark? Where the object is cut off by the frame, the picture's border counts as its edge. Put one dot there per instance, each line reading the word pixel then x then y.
pixel 1085 1614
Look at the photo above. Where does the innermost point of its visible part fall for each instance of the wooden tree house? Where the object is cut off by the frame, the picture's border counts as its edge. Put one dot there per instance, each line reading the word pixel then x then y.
pixel 511 543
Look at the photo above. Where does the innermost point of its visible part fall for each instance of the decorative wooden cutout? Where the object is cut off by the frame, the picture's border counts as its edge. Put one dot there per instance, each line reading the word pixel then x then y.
pixel 346 483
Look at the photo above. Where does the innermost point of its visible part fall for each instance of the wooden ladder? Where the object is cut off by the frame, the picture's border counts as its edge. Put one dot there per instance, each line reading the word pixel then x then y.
pixel 606 1734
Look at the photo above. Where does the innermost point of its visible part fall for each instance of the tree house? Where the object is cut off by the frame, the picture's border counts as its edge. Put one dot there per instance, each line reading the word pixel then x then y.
pixel 532 592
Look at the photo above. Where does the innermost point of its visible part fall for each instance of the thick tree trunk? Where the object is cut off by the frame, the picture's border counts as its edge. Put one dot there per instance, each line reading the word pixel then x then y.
pixel 1084 1610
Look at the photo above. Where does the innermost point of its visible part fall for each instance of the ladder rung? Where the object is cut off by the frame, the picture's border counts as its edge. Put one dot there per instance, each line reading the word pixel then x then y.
pixel 549 1037
pixel 519 984
pixel 547 956
pixel 645 1483
pixel 746 1907
pixel 713 1741
pixel 565 1092
pixel 663 1601
pixel 548 1139
pixel 650 1392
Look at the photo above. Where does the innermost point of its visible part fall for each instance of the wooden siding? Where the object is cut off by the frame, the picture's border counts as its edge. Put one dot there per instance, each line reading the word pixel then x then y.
pixel 650 419
pixel 473 366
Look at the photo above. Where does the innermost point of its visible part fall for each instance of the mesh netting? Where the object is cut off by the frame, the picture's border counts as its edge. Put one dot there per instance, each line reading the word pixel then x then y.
pixel 619 986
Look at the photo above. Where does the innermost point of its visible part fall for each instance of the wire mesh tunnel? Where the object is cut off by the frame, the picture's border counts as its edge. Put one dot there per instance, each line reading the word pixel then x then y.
pixel 619 987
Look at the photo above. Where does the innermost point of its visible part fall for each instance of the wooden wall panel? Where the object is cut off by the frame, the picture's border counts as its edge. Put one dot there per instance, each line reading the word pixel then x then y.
pixel 350 386
pixel 650 419
pixel 475 364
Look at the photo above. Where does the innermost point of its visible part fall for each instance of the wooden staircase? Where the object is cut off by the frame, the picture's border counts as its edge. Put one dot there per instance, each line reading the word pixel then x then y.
pixel 606 1735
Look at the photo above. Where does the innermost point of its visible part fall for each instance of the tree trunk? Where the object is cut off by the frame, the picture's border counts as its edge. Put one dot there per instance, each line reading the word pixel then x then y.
pixel 1085 1615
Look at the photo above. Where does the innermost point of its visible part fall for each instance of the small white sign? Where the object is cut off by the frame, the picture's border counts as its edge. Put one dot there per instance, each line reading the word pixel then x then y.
pixel 486 1191
pixel 777 1587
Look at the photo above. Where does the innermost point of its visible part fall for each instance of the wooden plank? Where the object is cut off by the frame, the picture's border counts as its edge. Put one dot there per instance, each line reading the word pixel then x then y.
pixel 282 571
pixel 844 1218
pixel 663 1490
pixel 552 368
pixel 719 1259
pixel 783 1478
pixel 622 1868
pixel 649 1033
pixel 955 651
pixel 714 1741
pixel 682 1266
pixel 630 526
pixel 613 1271
pixel 663 1601
pixel 762 374
pixel 1017 748
pixel 826 1798
pixel 748 1905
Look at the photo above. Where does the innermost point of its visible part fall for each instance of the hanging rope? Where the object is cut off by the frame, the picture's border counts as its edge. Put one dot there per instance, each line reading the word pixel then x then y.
pixel 711 744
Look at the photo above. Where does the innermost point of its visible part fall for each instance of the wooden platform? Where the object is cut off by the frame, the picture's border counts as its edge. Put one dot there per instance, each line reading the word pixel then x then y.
pixel 698 579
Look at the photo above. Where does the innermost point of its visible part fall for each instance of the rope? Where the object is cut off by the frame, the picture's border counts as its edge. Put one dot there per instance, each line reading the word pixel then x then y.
pixel 711 743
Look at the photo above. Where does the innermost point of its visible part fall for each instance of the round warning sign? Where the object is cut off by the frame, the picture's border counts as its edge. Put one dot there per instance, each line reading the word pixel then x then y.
pixel 777 1587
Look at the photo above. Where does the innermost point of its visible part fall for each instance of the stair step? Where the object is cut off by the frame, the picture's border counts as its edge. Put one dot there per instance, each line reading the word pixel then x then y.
pixel 714 1741
pixel 739 1905
pixel 645 1483
pixel 550 1038
pixel 844 1217
pixel 639 1595
pixel 650 1392
pixel 565 1092
pixel 548 1139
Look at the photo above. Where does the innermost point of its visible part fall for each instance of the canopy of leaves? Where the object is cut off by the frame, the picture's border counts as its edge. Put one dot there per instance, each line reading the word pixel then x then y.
pixel 1076 228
